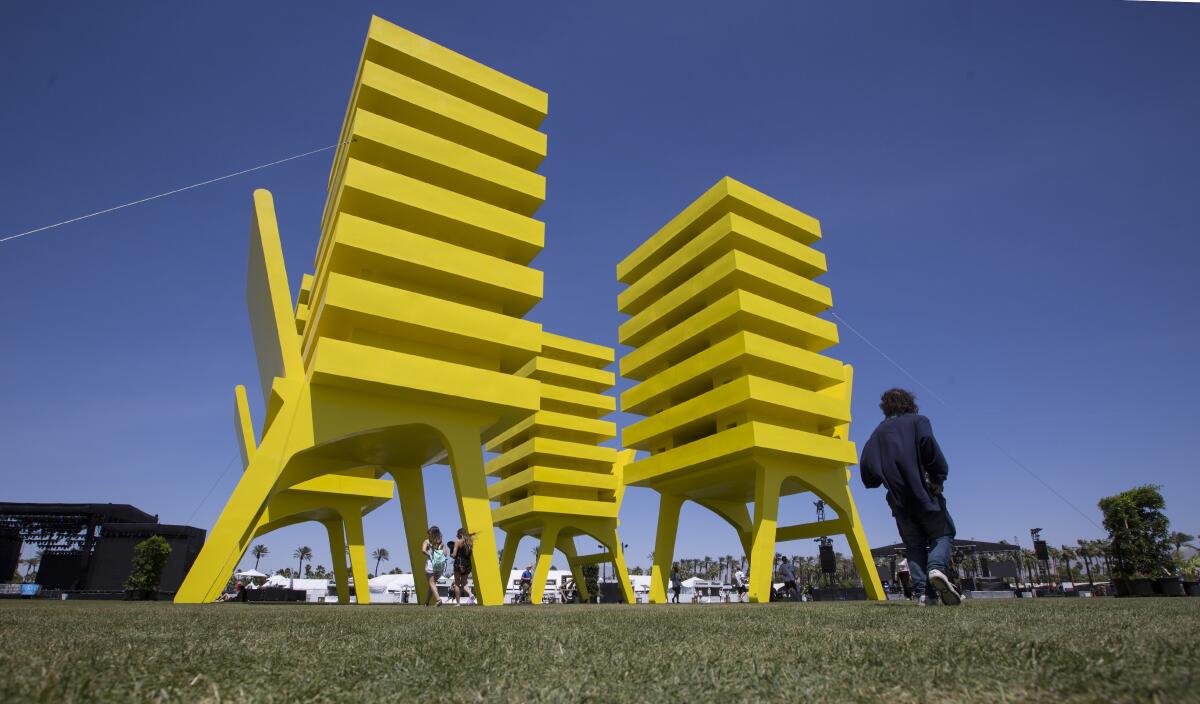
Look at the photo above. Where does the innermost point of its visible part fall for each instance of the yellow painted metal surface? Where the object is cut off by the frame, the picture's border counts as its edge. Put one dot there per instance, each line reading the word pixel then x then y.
pixel 556 481
pixel 739 403
pixel 407 345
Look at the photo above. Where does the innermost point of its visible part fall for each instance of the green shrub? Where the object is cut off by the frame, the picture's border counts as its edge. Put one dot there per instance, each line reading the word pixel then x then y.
pixel 591 580
pixel 1137 527
pixel 149 558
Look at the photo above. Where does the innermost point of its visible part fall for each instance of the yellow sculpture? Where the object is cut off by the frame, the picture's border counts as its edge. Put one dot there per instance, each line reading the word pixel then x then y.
pixel 739 404
pixel 556 482
pixel 411 329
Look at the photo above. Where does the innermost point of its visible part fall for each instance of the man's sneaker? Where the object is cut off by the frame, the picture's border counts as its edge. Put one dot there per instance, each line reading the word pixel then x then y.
pixel 946 590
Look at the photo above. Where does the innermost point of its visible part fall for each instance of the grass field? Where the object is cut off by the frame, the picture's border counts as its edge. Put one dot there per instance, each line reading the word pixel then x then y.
pixel 1078 650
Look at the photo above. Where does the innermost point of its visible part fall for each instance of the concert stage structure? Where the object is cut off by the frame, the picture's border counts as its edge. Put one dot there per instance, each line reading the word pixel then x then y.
pixel 89 547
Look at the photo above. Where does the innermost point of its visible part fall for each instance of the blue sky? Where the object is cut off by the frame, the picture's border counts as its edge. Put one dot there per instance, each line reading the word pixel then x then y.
pixel 1009 194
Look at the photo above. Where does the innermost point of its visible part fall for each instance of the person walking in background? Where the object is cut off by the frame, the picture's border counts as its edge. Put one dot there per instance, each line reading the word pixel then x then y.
pixel 739 583
pixel 676 583
pixel 788 574
pixel 460 553
pixel 435 563
pixel 904 578
pixel 903 456
pixel 526 586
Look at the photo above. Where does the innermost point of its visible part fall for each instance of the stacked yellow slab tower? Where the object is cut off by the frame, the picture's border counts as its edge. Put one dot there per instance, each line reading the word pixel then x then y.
pixel 411 329
pixel 739 403
pixel 556 482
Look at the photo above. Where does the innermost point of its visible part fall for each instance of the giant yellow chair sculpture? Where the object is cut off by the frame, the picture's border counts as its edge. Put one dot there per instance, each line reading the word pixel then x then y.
pixel 556 482
pixel 411 328
pixel 739 403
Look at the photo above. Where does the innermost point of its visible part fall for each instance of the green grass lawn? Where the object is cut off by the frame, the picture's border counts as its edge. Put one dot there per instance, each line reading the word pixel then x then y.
pixel 1079 650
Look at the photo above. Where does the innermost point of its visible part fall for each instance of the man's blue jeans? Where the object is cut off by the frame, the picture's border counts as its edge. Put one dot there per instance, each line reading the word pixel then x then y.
pixel 928 541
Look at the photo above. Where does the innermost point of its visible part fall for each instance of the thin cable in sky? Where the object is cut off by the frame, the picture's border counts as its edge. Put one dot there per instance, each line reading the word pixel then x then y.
pixel 946 403
pixel 211 488
pixel 172 192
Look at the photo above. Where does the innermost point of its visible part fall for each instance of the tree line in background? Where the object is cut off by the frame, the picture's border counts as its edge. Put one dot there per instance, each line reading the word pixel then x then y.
pixel 1139 545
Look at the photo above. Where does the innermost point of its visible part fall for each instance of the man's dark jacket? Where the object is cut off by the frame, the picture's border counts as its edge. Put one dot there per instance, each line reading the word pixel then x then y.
pixel 894 456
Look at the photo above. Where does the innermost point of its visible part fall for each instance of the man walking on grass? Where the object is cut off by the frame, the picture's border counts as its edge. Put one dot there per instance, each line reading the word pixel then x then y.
pixel 903 455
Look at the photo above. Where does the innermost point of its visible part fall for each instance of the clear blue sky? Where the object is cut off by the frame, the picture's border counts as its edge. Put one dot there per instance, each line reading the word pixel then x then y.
pixel 1009 193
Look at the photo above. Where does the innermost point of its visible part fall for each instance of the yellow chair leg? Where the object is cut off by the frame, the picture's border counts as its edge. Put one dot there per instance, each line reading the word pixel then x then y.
pixel 664 546
pixel 512 540
pixel 567 547
pixel 358 555
pixel 859 548
pixel 619 568
pixel 337 548
pixel 762 551
pixel 545 556
pixel 410 485
pixel 228 539
pixel 475 508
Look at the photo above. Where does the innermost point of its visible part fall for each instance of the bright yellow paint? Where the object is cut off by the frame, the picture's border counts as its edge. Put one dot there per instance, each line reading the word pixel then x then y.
pixel 556 481
pixel 739 403
pixel 405 347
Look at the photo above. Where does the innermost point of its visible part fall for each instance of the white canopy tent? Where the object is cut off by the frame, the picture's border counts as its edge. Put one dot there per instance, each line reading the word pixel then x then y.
pixel 316 590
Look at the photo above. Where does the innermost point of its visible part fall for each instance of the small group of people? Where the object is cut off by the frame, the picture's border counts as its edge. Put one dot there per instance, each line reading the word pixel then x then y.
pixel 457 554
pixel 568 591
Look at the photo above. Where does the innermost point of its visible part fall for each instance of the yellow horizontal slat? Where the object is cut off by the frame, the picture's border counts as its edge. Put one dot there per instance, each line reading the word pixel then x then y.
pixel 538 450
pixel 554 426
pixel 568 375
pixel 731 447
pixel 584 403
pixel 568 349
pixel 350 307
pixel 733 271
pixel 734 312
pixel 393 199
pixel 392 254
pixel 398 147
pixel 396 96
pixel 419 379
pixel 731 232
pixel 528 480
pixel 757 398
pixel 744 352
pixel 518 510
pixel 405 52
pixel 727 196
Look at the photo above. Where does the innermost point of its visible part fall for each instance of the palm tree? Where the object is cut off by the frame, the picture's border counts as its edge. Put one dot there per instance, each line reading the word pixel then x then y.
pixel 1068 554
pixel 31 564
pixel 380 555
pixel 303 554
pixel 1179 540
pixel 1104 546
pixel 1085 552
pixel 258 551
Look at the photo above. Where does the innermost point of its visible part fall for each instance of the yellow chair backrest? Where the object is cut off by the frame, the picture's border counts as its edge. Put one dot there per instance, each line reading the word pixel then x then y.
pixel 269 300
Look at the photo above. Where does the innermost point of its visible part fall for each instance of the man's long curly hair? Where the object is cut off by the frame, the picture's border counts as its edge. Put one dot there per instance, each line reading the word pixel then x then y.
pixel 896 402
